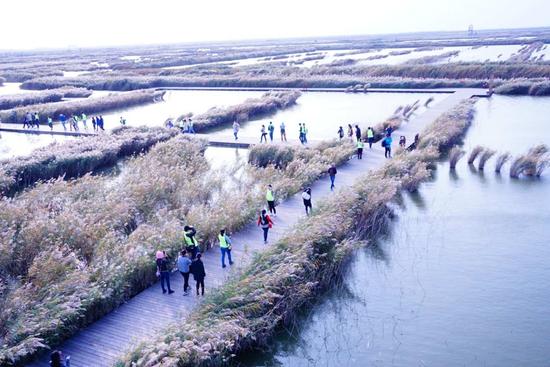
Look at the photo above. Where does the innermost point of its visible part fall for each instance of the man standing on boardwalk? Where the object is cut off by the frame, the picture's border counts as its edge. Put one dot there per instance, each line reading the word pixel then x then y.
pixel 271 129
pixel 163 271
pixel 270 198
pixel 360 146
pixel 370 136
pixel 283 131
pixel 357 132
pixel 236 127
pixel 332 174
pixel 197 269
pixel 225 247
pixel 306 197
pixel 190 240
pixel 184 263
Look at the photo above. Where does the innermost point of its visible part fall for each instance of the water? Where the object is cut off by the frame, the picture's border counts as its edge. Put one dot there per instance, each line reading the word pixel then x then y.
pixel 16 144
pixel 176 103
pixel 12 88
pixel 324 112
pixel 462 280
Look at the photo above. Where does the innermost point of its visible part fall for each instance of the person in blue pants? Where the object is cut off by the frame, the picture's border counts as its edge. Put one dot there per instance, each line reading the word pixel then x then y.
pixel 225 247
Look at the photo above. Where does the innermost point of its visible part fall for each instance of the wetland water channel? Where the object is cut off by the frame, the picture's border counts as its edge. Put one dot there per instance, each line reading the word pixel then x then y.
pixel 323 112
pixel 462 279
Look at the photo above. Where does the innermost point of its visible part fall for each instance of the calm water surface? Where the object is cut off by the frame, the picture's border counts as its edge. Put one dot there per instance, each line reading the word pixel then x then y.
pixel 462 280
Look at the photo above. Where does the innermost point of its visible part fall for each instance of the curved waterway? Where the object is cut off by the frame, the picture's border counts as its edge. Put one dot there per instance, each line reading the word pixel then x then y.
pixel 462 279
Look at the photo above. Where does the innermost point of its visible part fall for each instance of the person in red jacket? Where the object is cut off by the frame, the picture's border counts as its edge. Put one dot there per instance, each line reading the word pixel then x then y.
pixel 265 222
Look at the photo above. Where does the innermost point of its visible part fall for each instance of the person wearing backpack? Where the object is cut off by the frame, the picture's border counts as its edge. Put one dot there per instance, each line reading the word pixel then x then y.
pixel 163 270
pixel 266 223
pixel 225 247
pixel 386 143
pixel 306 197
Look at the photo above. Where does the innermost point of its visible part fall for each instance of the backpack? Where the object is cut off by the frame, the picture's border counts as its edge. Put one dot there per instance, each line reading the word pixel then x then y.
pixel 383 143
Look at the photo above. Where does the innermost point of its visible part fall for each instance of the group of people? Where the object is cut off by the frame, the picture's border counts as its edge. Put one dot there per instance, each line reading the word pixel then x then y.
pixel 32 120
pixel 185 125
pixel 74 120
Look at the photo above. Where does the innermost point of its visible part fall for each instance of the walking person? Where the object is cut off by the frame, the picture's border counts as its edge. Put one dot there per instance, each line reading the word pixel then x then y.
pixel 360 146
pixel 283 131
pixel 350 132
pixel 271 129
pixel 84 119
pixel 190 241
pixel 197 269
pixel 63 120
pixel 386 143
pixel 50 123
pixel 58 360
pixel 340 132
pixel 332 174
pixel 266 223
pixel 94 123
pixel 370 136
pixel 236 128
pixel 184 267
pixel 27 120
pixel 402 141
pixel 305 132
pixel 101 123
pixel 225 247
pixel 263 135
pixel 37 120
pixel 122 121
pixel 357 133
pixel 306 197
pixel 270 198
pixel 163 271
pixel 301 132
pixel 191 126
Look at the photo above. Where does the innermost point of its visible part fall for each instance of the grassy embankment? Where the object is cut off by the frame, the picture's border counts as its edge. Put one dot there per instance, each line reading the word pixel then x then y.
pixel 246 311
pixel 76 158
pixel 58 264
pixel 87 106
pixel 46 96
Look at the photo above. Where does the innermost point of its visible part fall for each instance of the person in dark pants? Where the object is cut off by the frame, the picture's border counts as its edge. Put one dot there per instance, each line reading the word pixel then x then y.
pixel 271 130
pixel 340 132
pixel 332 174
pixel 164 271
pixel 190 240
pixel 386 143
pixel 357 132
pixel 360 146
pixel 263 136
pixel 57 359
pixel 197 269
pixel 184 264
pixel 225 247
pixel 306 197
pixel 370 136
pixel 265 222
pixel 270 198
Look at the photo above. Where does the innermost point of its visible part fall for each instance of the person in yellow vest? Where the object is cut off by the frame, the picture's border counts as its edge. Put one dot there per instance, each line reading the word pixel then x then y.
pixel 360 146
pixel 270 198
pixel 190 239
pixel 225 247
pixel 370 136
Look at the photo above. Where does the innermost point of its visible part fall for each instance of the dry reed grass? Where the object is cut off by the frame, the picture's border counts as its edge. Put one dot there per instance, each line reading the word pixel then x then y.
pixel 454 156
pixel 485 156
pixel 501 160
pixel 474 154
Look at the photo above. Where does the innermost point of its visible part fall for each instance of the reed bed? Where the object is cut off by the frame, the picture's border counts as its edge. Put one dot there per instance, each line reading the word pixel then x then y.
pixel 454 156
pixel 252 108
pixel 246 311
pixel 501 160
pixel 485 156
pixel 61 270
pixel 476 152
pixel 87 106
pixel 531 164
pixel 77 157
pixel 400 115
pixel 46 96
pixel 432 58
pixel 2 81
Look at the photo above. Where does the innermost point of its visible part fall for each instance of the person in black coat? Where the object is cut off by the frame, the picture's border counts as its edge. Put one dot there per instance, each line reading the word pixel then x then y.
pixel 197 269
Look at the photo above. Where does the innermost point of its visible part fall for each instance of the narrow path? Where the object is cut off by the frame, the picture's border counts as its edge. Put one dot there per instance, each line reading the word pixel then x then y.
pixel 141 317
pixel 44 130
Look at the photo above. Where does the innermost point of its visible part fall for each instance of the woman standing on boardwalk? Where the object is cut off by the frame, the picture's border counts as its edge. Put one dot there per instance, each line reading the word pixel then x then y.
pixel 386 143
pixel 163 271
pixel 370 136
pixel 236 127
pixel 283 131
pixel 360 146
pixel 197 269
pixel 350 131
pixel 184 264
pixel 266 223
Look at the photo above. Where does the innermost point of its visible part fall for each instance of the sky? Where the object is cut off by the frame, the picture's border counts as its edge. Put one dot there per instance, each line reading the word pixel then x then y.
pixel 30 24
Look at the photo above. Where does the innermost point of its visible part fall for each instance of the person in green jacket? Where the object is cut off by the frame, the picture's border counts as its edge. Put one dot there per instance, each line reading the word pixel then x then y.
pixel 270 198
pixel 225 247
pixel 370 136
pixel 50 123
pixel 190 240
pixel 360 146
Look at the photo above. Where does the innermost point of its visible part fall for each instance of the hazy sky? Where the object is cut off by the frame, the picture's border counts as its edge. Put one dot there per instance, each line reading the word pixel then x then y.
pixel 26 24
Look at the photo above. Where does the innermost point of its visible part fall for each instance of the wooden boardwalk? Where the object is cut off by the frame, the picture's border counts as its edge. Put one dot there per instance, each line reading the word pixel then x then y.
pixel 102 342
pixel 44 131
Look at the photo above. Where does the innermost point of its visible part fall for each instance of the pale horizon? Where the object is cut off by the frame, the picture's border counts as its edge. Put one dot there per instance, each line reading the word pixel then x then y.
pixel 61 24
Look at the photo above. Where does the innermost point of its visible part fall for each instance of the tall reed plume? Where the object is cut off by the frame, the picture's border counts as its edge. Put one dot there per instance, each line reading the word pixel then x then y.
pixel 454 156
pixel 474 154
pixel 531 164
pixel 501 160
pixel 485 156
